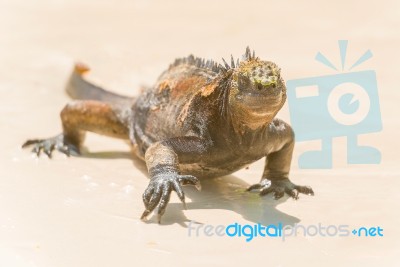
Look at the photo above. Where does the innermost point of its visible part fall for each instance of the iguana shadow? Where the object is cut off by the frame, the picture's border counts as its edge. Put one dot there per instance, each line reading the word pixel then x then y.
pixel 226 193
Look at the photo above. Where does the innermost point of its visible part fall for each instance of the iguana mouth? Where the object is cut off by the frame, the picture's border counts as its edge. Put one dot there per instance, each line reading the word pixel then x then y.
pixel 258 106
pixel 264 105
pixel 265 96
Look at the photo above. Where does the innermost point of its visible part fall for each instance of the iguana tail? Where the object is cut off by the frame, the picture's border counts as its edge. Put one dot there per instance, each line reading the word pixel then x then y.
pixel 79 88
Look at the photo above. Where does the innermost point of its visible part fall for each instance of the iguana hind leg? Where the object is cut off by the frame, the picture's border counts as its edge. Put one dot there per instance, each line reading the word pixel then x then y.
pixel 80 116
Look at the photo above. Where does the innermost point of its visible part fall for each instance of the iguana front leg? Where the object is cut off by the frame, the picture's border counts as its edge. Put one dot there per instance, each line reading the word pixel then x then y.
pixel 80 116
pixel 162 160
pixel 275 178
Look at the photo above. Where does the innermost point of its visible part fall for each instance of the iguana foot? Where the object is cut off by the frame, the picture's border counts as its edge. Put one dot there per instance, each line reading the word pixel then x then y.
pixel 280 187
pixel 48 145
pixel 159 191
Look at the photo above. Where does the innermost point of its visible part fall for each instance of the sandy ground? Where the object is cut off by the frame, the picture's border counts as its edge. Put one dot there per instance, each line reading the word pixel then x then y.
pixel 85 211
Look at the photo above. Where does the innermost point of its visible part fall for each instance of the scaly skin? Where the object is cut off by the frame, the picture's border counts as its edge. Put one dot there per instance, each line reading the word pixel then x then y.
pixel 199 120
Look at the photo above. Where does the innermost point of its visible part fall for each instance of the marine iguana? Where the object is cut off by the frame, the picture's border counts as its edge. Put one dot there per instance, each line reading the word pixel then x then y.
pixel 200 119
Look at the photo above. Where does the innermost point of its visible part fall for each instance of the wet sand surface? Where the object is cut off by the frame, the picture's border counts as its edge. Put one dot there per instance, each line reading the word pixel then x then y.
pixel 85 211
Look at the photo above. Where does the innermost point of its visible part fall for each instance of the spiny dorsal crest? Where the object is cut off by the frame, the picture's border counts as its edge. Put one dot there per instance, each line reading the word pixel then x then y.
pixel 211 64
pixel 198 62
pixel 247 56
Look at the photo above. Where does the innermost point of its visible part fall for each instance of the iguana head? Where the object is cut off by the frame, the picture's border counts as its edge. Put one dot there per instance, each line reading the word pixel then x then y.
pixel 257 91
